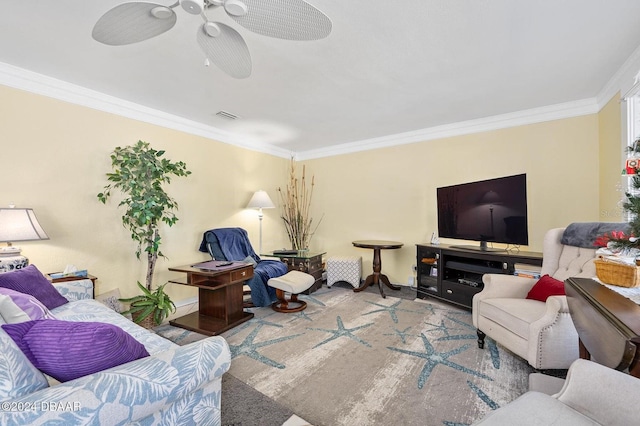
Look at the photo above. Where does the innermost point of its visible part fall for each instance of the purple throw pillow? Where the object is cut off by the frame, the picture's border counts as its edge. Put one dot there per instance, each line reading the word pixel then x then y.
pixel 66 350
pixel 30 280
pixel 19 307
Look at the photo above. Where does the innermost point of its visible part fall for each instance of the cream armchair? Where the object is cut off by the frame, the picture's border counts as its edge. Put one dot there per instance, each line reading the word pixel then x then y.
pixel 592 395
pixel 540 332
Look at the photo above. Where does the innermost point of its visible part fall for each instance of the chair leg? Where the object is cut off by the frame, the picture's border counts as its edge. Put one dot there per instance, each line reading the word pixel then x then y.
pixel 481 337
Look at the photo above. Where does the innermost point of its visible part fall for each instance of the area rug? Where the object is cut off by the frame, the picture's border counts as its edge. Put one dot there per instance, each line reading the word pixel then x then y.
pixel 358 359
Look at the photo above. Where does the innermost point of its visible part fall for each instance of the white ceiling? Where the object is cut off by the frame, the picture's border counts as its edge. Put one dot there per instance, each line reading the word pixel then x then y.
pixel 388 69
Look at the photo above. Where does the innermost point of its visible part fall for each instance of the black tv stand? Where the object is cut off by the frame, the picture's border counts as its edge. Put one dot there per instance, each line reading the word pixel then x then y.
pixel 454 273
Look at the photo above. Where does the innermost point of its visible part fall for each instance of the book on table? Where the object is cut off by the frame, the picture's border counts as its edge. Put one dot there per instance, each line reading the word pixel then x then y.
pixel 526 270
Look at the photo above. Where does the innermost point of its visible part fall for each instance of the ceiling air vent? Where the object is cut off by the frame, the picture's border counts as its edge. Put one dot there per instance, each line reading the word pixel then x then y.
pixel 227 115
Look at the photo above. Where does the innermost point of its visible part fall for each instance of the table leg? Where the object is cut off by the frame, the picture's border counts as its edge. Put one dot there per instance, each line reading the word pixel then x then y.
pixel 376 277
pixel 385 280
pixel 367 282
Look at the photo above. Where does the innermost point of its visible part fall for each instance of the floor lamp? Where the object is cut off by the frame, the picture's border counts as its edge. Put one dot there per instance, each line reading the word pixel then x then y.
pixel 260 200
pixel 491 198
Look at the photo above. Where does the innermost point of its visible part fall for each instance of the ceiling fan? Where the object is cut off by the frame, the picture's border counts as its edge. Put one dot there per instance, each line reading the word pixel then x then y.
pixel 133 22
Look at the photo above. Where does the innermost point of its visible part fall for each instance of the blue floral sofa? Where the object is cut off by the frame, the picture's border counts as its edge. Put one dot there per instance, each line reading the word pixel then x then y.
pixel 174 385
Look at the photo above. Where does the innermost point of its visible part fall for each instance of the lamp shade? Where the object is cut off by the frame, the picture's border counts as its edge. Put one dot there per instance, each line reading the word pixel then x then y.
pixel 490 197
pixel 20 225
pixel 260 200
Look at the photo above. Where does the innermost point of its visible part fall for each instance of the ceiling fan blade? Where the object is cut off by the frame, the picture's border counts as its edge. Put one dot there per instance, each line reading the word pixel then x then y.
pixel 227 50
pixel 285 19
pixel 133 22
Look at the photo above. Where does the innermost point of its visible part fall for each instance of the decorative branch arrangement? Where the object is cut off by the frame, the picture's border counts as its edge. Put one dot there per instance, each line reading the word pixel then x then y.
pixel 295 202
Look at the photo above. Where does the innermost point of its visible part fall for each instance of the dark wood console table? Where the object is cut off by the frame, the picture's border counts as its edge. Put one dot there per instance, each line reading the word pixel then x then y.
pixel 219 297
pixel 377 277
pixel 608 324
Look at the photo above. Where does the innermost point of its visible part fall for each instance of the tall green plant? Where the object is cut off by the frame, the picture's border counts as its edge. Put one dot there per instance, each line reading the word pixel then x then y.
pixel 140 172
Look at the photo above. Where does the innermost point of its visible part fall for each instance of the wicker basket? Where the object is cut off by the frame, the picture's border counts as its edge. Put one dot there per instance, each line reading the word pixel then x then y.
pixel 616 273
pixel 147 323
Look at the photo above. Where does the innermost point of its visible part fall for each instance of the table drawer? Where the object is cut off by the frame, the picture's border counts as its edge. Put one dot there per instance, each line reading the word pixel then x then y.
pixel 305 265
pixel 459 293
pixel 315 264
pixel 242 274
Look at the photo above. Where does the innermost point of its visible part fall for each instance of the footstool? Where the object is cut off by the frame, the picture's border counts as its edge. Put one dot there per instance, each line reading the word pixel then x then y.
pixel 293 282
pixel 346 268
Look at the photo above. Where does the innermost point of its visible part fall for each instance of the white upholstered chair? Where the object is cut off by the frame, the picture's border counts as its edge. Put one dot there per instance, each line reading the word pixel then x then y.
pixel 540 332
pixel 592 395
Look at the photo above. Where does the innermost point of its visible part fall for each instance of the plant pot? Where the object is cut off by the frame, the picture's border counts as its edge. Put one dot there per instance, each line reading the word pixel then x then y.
pixel 146 323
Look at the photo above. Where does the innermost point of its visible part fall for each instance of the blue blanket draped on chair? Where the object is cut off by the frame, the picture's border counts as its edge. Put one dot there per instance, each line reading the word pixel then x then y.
pixel 233 244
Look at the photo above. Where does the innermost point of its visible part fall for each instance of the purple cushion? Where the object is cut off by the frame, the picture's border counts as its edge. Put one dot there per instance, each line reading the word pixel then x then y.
pixel 66 350
pixel 30 280
pixel 19 307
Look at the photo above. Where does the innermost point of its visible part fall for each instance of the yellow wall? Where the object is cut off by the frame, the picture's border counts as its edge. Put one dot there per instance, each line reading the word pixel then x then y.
pixel 56 156
pixel 612 153
pixel 390 193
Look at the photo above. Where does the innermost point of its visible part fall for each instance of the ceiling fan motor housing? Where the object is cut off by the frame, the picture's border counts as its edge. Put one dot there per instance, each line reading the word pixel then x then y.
pixel 193 7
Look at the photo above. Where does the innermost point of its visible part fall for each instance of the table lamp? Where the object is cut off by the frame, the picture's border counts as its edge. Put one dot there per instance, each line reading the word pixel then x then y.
pixel 260 200
pixel 17 224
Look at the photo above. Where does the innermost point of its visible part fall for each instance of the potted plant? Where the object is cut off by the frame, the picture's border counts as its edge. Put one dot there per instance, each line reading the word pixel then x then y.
pixel 296 209
pixel 140 172
pixel 149 308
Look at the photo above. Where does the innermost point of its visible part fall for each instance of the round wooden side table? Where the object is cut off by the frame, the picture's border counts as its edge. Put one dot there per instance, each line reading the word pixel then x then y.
pixel 376 277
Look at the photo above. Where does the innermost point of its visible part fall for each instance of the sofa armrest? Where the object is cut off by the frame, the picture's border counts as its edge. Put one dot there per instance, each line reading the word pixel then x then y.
pixel 555 306
pixel 607 396
pixel 501 286
pixel 553 339
pixel 183 382
pixel 508 286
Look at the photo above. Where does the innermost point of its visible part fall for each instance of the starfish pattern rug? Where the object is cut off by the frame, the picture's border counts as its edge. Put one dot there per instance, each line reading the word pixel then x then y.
pixel 359 359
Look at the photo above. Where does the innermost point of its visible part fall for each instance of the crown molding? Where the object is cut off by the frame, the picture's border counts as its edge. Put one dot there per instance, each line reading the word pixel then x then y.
pixel 47 86
pixel 513 119
pixel 622 80
pixel 41 84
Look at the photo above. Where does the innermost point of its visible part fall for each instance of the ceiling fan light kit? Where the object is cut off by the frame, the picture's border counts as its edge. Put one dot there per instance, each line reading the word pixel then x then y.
pixel 235 8
pixel 162 12
pixel 134 22
pixel 212 29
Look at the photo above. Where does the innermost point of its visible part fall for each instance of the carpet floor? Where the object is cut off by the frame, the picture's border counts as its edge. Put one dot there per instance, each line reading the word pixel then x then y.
pixel 358 359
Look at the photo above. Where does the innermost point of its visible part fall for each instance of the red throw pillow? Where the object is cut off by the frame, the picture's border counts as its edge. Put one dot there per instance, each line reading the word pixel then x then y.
pixel 545 287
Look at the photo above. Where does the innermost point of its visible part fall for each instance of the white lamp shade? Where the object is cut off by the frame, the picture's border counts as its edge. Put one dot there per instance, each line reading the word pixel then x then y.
pixel 260 200
pixel 20 225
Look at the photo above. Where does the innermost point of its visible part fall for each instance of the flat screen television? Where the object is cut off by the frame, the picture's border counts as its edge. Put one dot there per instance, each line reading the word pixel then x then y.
pixel 493 210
